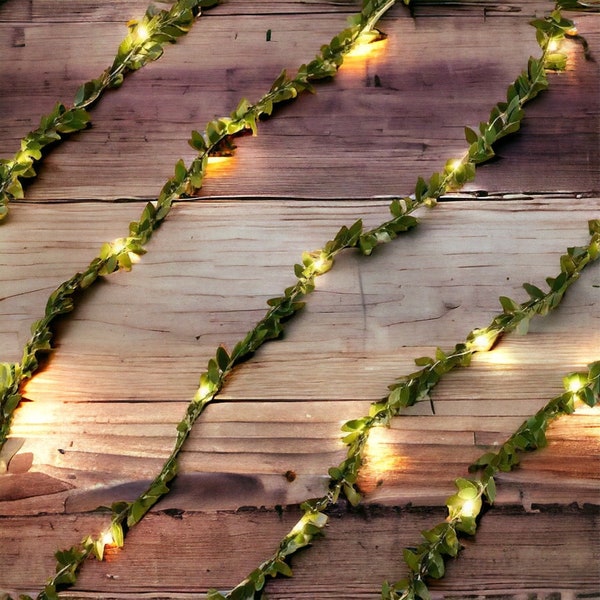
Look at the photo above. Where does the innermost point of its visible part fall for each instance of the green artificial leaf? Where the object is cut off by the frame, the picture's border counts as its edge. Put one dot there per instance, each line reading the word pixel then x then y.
pixel 470 135
pixel 412 560
pixel 509 306
pixel 435 566
pixel 533 291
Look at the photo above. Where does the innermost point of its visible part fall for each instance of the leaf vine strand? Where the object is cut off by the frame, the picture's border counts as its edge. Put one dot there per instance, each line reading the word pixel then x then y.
pixel 505 119
pixel 417 387
pixel 427 561
pixel 143 44
pixel 217 139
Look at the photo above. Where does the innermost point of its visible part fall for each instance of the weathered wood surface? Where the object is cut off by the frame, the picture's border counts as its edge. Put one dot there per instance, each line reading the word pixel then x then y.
pixel 100 418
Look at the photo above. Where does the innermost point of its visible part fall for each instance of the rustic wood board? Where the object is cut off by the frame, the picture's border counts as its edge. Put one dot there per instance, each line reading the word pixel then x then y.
pixel 411 124
pixel 173 554
pixel 100 417
pixel 93 434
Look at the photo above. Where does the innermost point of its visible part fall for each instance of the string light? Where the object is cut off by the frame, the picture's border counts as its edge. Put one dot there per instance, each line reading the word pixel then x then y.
pixel 370 43
pixel 107 538
pixel 455 164
pixel 482 340
pixel 118 245
pixel 322 264
pixel 575 382
pixel 142 32
pixel 469 508
pixel 553 45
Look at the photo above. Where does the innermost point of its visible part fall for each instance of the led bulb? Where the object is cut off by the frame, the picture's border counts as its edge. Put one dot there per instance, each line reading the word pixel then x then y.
pixel 455 164
pixel 553 45
pixel 142 33
pixel 468 509
pixel 482 340
pixel 575 382
pixel 107 538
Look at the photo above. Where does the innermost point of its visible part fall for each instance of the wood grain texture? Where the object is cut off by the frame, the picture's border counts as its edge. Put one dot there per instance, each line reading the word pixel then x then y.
pixel 99 418
pixel 411 123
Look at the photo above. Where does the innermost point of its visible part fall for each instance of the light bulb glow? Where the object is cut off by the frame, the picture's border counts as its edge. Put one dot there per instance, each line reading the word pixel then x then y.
pixel 455 164
pixel 118 245
pixel 320 264
pixel 553 45
pixel 468 509
pixel 107 538
pixel 482 340
pixel 219 164
pixel 369 43
pixel 575 382
pixel 142 33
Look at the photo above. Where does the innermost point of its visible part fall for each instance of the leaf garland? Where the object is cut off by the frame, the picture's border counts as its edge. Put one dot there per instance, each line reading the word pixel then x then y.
pixel 143 44
pixel 504 119
pixel 215 140
pixel 464 507
pixel 417 387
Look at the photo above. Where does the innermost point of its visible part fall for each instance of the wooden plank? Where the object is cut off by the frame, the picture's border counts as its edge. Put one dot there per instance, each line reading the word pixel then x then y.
pixel 360 550
pixel 85 11
pixel 410 125
pixel 109 433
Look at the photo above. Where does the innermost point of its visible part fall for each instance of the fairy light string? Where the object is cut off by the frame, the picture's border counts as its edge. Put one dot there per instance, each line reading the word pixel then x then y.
pixel 427 560
pixel 314 264
pixel 216 140
pixel 417 387
pixel 143 44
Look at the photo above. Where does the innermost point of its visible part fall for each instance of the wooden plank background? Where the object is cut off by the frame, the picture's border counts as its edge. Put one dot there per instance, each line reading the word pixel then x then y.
pixel 99 418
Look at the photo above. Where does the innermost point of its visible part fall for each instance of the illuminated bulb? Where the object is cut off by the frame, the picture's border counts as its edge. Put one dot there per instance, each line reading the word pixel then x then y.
pixel 118 245
pixel 553 45
pixel 107 539
pixel 468 509
pixel 482 341
pixel 575 383
pixel 217 160
pixel 203 391
pixel 142 33
pixel 319 264
pixel 572 32
pixel 455 164
pixel 219 164
pixel 367 44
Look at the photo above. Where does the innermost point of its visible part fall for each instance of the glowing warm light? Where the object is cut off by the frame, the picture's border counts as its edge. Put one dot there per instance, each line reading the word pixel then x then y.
pixel 468 509
pixel 369 44
pixel 572 32
pixel 381 459
pixel 575 382
pixel 455 164
pixel 206 389
pixel 553 45
pixel 107 539
pixel 219 164
pixel 142 33
pixel 482 340
pixel 118 245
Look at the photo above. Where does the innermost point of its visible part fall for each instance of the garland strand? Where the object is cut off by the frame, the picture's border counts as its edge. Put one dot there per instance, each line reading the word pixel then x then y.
pixel 215 140
pixel 143 44
pixel 428 559
pixel 505 120
pixel 406 392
